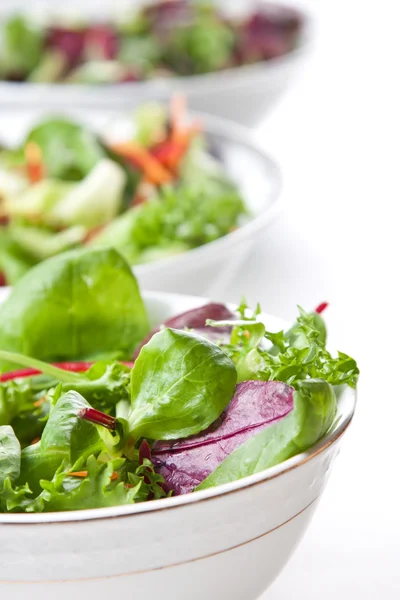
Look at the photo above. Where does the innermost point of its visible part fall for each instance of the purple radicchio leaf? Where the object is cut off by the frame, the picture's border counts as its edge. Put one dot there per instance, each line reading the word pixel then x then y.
pixel 184 464
pixel 195 319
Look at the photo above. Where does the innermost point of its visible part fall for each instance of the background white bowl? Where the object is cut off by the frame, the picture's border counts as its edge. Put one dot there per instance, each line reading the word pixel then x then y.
pixel 206 270
pixel 225 543
pixel 243 94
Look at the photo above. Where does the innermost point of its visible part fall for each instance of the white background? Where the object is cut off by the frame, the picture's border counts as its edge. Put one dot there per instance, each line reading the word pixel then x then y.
pixel 336 136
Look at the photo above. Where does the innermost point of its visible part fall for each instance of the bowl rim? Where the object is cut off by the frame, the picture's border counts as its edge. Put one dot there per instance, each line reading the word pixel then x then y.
pixel 242 136
pixel 215 80
pixel 164 504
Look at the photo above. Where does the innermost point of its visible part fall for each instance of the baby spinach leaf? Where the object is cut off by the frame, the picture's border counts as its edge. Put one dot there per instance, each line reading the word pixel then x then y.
pixel 10 455
pixel 313 414
pixel 69 150
pixel 74 306
pixel 180 384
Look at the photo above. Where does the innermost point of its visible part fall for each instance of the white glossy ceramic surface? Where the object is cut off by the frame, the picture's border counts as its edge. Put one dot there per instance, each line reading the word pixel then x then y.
pixel 242 94
pixel 208 269
pixel 226 543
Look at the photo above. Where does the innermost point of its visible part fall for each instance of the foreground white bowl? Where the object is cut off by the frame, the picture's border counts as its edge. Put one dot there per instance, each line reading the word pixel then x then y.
pixel 243 94
pixel 206 270
pixel 225 543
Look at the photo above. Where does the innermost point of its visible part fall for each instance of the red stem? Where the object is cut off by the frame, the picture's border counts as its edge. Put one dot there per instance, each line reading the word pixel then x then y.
pixel 320 309
pixel 74 367
pixel 99 418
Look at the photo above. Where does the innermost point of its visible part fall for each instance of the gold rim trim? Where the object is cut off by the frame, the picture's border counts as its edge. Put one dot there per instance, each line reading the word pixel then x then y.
pixel 162 568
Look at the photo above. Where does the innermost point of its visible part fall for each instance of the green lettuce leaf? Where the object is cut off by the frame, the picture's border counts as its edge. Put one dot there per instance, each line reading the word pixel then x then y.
pixel 21 47
pixel 74 306
pixel 94 201
pixel 70 151
pixel 10 455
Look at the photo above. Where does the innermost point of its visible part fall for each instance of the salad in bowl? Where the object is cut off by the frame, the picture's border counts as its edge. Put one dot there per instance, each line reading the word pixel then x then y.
pixel 99 407
pixel 159 39
pixel 231 59
pixel 154 187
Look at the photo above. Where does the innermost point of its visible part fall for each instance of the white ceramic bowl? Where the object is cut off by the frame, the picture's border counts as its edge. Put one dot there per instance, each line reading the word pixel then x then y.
pixel 243 94
pixel 227 543
pixel 206 270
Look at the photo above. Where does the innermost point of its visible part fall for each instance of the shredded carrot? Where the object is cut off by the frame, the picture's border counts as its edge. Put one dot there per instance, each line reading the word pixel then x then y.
pixel 79 474
pixel 34 162
pixel 153 170
pixel 92 233
pixel 35 440
pixel 84 474
pixel 39 402
pixel 171 152
pixel 246 334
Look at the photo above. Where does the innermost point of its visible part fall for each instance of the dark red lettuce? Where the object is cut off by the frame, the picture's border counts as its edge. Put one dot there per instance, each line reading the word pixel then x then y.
pixel 101 43
pixel 268 33
pixel 184 464
pixel 68 42
pixel 196 319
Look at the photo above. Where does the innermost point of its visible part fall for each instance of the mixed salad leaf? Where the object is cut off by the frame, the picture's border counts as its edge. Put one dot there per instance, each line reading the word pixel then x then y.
pixel 206 398
pixel 155 194
pixel 161 39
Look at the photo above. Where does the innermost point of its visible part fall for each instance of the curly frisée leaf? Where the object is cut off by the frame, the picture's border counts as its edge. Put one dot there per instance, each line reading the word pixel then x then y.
pixel 98 484
pixel 291 357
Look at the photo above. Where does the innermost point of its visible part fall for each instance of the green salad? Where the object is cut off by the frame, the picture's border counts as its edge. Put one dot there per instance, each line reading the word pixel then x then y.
pixel 159 39
pixel 97 409
pixel 157 193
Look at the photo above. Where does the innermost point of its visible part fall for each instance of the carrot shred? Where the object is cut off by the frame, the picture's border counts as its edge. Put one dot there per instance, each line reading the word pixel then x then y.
pixel 35 440
pixel 39 402
pixel 153 170
pixel 34 162
pixel 82 474
pixel 171 152
pixel 92 233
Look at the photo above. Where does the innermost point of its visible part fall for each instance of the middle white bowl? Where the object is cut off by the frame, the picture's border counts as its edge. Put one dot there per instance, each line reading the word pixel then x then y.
pixel 208 269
